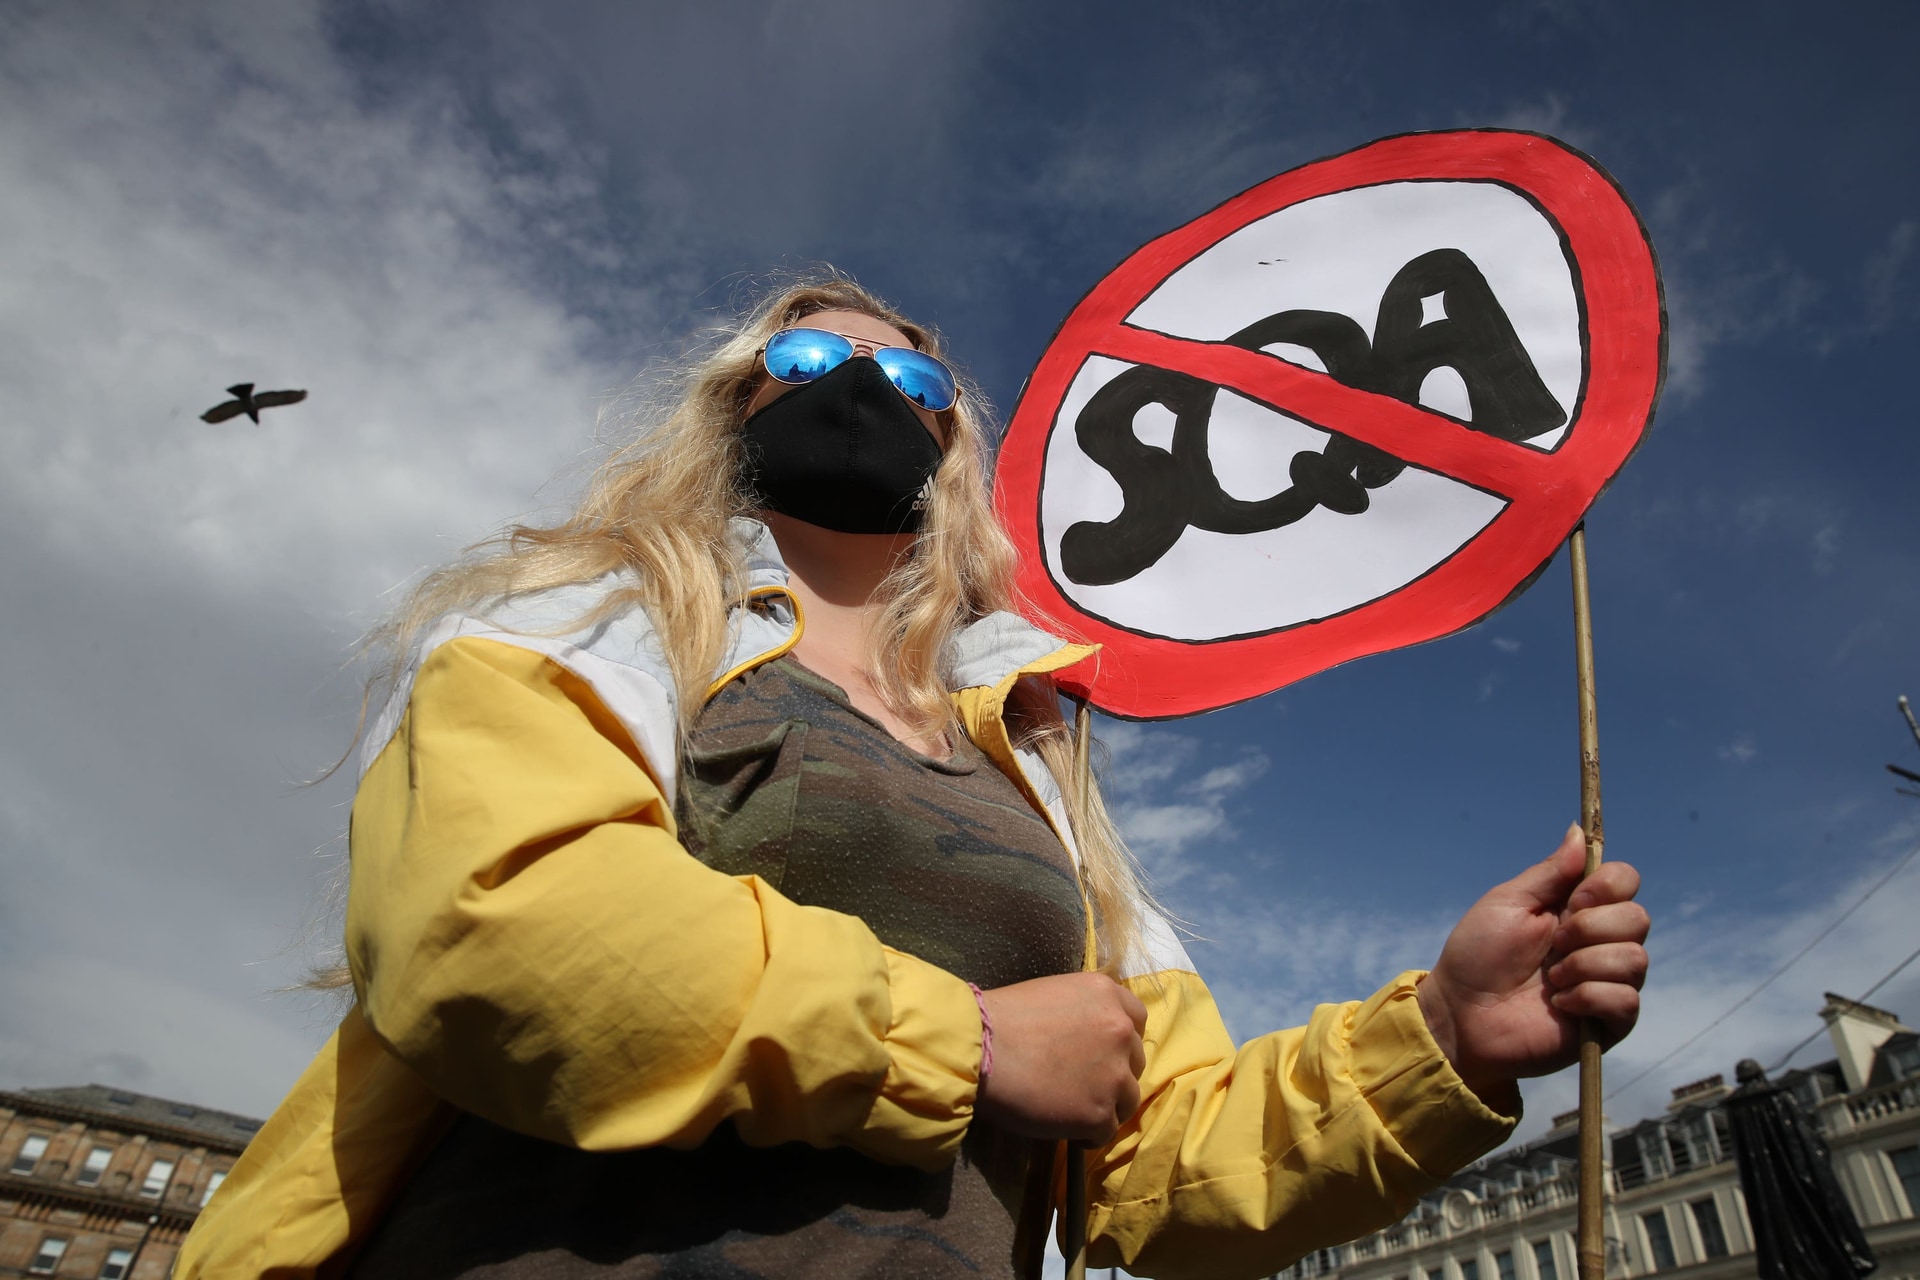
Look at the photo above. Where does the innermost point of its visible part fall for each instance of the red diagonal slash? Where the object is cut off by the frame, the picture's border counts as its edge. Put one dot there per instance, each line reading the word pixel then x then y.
pixel 1408 432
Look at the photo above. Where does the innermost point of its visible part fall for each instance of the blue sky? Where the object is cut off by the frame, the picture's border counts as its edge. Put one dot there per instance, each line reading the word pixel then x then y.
pixel 465 232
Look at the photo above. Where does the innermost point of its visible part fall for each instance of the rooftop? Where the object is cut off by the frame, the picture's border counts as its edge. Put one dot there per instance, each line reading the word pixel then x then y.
pixel 143 1110
pixel 1840 1006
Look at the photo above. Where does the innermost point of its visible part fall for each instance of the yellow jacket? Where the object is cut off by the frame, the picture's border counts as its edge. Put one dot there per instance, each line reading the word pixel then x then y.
pixel 530 943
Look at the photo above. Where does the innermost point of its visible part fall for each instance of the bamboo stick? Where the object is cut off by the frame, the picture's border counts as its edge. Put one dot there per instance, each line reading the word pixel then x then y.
pixel 1590 1238
pixel 1074 1237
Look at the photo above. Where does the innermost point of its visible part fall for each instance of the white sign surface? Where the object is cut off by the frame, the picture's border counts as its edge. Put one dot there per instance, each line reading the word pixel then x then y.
pixel 1450 294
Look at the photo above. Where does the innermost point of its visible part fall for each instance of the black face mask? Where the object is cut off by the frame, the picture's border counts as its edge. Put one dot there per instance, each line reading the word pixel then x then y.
pixel 845 452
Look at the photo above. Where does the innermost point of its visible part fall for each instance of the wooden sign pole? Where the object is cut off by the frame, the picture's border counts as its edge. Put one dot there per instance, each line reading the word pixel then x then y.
pixel 1074 1237
pixel 1590 1243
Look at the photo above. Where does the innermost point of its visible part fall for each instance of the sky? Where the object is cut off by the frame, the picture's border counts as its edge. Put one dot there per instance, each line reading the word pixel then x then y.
pixel 467 230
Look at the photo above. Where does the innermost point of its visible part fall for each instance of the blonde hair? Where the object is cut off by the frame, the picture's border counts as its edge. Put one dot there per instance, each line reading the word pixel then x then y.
pixel 659 506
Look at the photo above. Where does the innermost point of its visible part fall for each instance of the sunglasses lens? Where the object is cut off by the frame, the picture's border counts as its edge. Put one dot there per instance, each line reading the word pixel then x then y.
pixel 801 355
pixel 920 377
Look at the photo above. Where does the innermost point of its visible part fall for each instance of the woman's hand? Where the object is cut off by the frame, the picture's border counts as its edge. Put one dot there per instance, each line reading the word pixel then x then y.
pixel 1528 961
pixel 1066 1057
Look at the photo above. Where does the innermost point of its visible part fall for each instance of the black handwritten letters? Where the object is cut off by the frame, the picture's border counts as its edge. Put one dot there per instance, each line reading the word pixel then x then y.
pixel 1165 491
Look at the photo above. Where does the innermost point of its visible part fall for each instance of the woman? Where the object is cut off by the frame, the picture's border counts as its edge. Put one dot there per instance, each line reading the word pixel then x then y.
pixel 723 904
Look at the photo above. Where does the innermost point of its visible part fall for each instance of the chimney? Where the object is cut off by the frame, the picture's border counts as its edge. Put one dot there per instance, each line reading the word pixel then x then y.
pixel 1710 1089
pixel 1857 1030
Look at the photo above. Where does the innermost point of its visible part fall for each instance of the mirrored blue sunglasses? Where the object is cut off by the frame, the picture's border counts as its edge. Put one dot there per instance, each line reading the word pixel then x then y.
pixel 798 356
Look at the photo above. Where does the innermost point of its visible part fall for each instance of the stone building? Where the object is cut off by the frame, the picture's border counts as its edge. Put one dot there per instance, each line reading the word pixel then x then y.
pixel 1674 1204
pixel 103 1183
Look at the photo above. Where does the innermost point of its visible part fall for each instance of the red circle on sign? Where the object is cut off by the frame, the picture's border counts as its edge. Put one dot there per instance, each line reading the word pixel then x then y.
pixel 1618 286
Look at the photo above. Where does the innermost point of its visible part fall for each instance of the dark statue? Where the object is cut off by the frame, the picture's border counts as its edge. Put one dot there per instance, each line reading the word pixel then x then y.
pixel 1803 1227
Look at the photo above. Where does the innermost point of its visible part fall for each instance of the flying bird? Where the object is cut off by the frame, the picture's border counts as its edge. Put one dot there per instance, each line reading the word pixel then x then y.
pixel 245 401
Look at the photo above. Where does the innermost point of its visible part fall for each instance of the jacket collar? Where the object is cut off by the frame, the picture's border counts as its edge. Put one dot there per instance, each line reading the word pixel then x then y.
pixel 987 652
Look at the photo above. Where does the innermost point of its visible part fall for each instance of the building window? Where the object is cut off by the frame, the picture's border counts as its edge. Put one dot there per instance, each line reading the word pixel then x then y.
pixel 1722 1132
pixel 1659 1241
pixel 1702 1138
pixel 52 1249
pixel 157 1174
pixel 97 1161
pixel 1713 1238
pixel 1543 1264
pixel 30 1152
pixel 1656 1157
pixel 1436 1273
pixel 1811 1089
pixel 115 1267
pixel 213 1185
pixel 1470 1269
pixel 1503 1264
pixel 1906 1167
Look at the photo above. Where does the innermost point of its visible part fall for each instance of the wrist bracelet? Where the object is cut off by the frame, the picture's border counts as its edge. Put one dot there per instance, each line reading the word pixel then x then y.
pixel 986 1033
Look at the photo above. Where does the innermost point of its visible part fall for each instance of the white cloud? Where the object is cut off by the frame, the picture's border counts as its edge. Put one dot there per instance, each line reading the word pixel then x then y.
pixel 1269 963
pixel 1142 757
pixel 1166 811
pixel 133 1024
pixel 1826 547
pixel 1160 833
pixel 1796 522
pixel 163 243
pixel 1549 115
pixel 1226 779
pixel 1755 512
pixel 1506 644
pixel 1712 303
pixel 1742 750
pixel 1882 285
pixel 189 198
pixel 1095 168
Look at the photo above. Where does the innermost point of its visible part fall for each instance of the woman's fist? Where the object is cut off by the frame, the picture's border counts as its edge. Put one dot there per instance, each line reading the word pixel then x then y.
pixel 1532 958
pixel 1066 1057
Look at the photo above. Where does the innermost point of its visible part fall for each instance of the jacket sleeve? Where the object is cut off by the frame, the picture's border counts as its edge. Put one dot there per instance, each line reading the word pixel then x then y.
pixel 526 933
pixel 1240 1161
